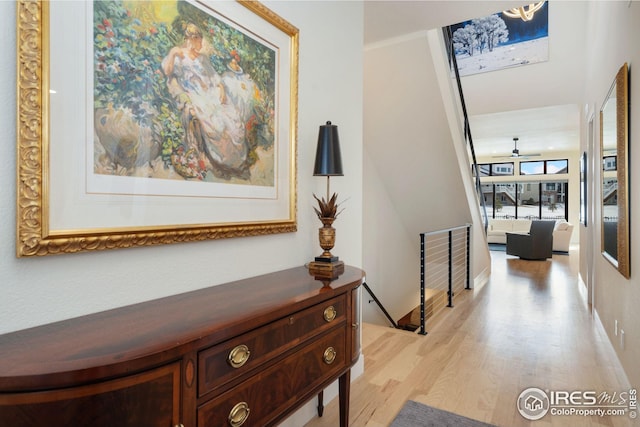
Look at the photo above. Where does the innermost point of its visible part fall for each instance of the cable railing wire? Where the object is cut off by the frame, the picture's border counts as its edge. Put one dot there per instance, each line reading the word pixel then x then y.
pixel 444 268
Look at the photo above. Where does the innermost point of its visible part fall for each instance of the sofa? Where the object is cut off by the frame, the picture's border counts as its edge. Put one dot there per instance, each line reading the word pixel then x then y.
pixel 498 229
pixel 562 236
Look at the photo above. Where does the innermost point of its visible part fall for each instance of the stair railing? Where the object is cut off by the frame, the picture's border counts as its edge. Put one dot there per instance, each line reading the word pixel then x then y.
pixel 377 301
pixel 444 265
pixel 453 63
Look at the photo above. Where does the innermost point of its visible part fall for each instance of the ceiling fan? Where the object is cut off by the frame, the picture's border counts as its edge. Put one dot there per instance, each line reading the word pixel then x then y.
pixel 515 153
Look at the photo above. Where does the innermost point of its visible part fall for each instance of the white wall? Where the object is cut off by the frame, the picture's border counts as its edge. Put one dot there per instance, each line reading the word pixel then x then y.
pixel 412 180
pixel 558 81
pixel 612 40
pixel 36 291
pixel 391 252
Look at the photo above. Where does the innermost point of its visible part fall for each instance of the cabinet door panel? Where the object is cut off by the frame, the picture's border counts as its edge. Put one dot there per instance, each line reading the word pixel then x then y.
pixel 148 399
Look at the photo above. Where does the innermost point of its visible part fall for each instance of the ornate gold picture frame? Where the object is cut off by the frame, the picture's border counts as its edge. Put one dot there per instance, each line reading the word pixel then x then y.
pixel 614 145
pixel 116 148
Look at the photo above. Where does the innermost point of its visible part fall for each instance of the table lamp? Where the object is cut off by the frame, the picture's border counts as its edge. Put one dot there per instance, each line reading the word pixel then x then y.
pixel 328 163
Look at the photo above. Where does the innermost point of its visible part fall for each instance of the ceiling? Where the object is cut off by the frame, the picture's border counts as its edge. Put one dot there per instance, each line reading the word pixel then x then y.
pixel 540 130
pixel 386 19
pixel 539 104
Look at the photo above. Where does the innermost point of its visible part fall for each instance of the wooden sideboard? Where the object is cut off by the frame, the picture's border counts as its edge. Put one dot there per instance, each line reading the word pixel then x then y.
pixel 246 353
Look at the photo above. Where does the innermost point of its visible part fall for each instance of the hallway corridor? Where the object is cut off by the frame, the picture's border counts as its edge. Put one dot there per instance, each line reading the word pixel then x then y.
pixel 528 326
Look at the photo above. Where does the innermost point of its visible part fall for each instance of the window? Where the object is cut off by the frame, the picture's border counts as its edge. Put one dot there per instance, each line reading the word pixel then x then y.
pixel 487 193
pixel 557 166
pixel 496 169
pixel 544 199
pixel 544 167
pixel 501 169
pixel 531 200
pixel 531 168
pixel 505 201
pixel 610 199
pixel 554 200
pixel 610 163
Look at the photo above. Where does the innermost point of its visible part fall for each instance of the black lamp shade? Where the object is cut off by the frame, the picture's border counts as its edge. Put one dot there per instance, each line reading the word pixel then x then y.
pixel 328 158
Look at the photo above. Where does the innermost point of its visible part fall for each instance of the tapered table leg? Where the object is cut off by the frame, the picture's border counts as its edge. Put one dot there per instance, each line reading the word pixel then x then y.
pixel 344 385
pixel 320 403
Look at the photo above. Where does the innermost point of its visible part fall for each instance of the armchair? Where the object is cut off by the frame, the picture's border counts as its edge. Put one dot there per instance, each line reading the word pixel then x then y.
pixel 538 244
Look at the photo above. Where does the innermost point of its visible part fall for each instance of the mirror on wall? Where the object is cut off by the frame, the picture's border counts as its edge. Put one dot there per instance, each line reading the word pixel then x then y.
pixel 615 191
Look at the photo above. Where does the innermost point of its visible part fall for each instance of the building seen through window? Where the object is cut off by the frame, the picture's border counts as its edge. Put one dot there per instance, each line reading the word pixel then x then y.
pixel 530 200
pixel 609 163
pixel 544 199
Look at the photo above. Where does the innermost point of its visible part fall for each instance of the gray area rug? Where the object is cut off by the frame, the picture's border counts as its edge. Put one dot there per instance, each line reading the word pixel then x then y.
pixel 414 414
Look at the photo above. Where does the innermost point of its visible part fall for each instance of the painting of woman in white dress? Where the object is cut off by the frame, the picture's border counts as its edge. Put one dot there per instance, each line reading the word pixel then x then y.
pixel 180 94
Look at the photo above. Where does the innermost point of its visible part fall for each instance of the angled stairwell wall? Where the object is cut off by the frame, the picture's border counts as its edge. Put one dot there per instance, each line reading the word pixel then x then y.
pixel 413 180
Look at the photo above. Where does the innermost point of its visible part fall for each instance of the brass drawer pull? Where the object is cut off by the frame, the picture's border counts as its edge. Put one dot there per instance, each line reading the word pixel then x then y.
pixel 239 356
pixel 239 414
pixel 330 313
pixel 329 355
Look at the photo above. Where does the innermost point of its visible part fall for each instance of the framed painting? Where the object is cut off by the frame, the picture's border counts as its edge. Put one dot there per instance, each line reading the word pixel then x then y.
pixel 506 39
pixel 153 122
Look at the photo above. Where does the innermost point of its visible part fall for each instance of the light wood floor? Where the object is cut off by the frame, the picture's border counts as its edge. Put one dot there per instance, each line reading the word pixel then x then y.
pixel 528 326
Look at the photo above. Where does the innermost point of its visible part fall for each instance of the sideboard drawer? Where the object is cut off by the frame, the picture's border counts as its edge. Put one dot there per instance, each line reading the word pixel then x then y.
pixel 275 389
pixel 230 360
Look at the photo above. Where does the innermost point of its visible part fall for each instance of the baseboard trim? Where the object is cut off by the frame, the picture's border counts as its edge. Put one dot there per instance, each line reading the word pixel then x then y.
pixel 603 331
pixel 482 278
